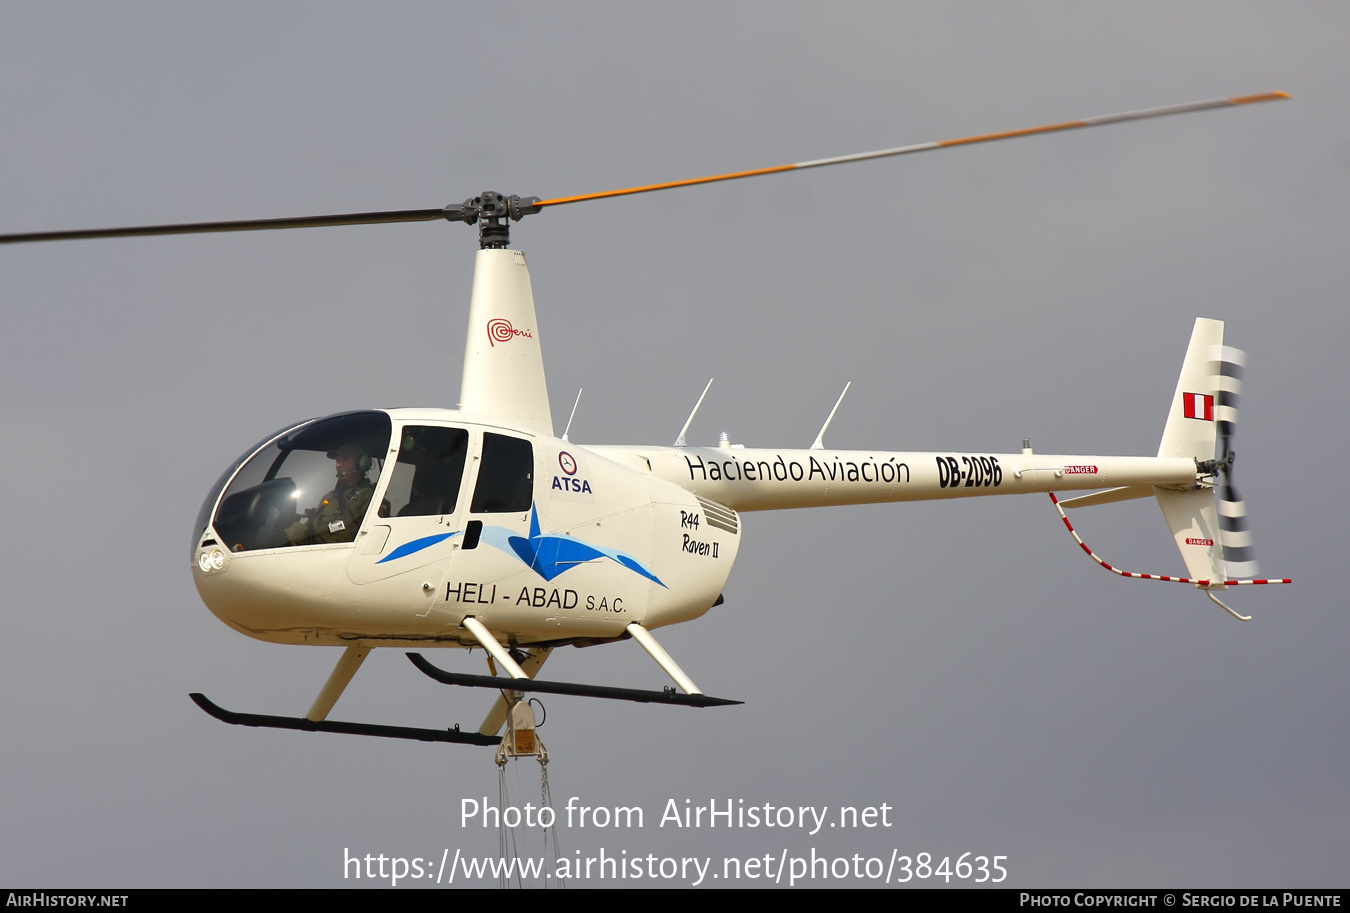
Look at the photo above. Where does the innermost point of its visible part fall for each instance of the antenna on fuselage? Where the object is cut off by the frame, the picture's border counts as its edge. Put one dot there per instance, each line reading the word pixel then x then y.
pixel 679 441
pixel 573 415
pixel 819 442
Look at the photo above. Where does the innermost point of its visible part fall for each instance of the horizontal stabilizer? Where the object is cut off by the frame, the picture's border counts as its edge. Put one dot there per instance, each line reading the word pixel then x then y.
pixel 1110 496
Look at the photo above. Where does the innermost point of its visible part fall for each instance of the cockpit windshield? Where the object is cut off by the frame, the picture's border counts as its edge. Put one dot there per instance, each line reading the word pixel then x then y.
pixel 312 486
pixel 204 515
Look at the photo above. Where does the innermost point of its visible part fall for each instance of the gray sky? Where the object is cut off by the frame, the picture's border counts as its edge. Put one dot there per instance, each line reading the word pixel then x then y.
pixel 961 662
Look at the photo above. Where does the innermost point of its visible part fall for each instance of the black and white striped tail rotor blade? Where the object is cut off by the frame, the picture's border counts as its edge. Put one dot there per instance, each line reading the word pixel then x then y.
pixel 1235 534
pixel 1228 366
pixel 1234 531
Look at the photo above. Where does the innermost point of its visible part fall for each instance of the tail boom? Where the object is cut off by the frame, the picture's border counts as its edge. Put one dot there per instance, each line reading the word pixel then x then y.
pixel 746 479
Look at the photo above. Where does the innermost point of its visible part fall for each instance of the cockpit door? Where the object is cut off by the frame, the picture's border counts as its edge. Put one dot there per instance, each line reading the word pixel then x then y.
pixel 421 503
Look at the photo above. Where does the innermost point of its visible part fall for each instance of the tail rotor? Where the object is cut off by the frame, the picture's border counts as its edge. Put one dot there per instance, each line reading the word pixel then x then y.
pixel 1234 531
pixel 1208 518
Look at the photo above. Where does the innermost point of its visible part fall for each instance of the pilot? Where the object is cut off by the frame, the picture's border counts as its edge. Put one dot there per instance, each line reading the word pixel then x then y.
pixel 340 512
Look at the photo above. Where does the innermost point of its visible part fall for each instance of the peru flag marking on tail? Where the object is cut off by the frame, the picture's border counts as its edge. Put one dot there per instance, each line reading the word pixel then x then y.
pixel 1198 405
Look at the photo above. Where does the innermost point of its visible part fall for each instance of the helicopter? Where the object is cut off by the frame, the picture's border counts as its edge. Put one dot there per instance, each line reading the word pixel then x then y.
pixel 477 527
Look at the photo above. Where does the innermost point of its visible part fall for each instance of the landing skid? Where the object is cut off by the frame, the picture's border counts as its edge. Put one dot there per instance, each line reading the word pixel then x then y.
pixel 307 725
pixel 665 696
pixel 520 740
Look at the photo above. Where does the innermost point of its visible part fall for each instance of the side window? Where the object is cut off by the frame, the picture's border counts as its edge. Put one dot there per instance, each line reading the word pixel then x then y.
pixel 506 476
pixel 429 470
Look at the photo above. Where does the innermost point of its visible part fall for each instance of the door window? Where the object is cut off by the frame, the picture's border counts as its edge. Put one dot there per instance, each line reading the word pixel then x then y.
pixel 429 471
pixel 505 476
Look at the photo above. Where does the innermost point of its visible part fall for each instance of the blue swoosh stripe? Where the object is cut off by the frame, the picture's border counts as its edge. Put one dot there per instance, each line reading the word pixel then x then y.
pixel 409 548
pixel 548 556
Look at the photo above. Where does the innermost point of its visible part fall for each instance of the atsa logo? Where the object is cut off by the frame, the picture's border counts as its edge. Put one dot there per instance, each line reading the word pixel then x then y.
pixel 1080 470
pixel 568 463
pixel 1199 541
pixel 500 330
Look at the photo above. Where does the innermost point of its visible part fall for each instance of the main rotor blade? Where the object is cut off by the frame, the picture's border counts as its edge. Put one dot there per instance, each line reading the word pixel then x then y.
pixel 941 144
pixel 355 218
pixel 517 207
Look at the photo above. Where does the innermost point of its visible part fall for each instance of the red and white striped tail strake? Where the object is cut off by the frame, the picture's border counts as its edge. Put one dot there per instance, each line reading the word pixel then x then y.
pixel 1206 585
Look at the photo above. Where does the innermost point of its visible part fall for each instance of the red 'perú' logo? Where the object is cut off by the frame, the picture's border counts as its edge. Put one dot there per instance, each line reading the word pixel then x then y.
pixel 500 330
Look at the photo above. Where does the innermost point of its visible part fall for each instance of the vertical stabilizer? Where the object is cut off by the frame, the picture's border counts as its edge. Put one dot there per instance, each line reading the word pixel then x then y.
pixel 1190 428
pixel 503 362
pixel 1193 516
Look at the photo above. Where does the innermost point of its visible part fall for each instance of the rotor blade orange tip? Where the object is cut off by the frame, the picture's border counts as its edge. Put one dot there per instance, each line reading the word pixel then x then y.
pixel 1264 96
pixel 668 185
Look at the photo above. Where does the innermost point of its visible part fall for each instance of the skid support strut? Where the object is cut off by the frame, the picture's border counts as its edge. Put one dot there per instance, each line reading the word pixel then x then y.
pixel 346 667
pixel 658 653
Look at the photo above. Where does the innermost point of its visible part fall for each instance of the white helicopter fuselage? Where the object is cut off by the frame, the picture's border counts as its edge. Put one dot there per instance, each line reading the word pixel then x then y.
pixel 670 513
pixel 481 512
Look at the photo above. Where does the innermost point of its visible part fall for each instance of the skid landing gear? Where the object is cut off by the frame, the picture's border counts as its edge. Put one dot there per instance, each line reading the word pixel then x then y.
pixel 510 709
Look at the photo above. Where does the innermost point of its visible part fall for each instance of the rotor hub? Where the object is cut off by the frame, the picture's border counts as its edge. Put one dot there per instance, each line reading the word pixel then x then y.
pixel 493 212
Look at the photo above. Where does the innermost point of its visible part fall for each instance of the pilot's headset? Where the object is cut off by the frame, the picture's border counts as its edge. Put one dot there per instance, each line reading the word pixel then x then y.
pixel 363 460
